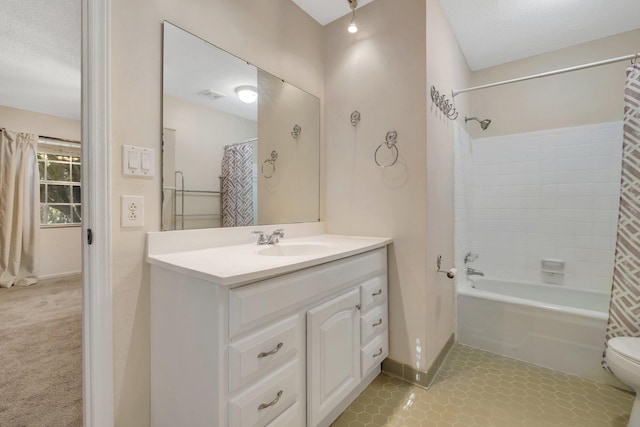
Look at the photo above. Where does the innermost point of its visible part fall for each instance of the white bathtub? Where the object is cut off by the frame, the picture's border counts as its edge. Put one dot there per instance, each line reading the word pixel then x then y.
pixel 553 326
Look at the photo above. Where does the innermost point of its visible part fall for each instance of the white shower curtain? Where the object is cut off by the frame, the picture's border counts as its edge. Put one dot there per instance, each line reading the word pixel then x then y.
pixel 19 209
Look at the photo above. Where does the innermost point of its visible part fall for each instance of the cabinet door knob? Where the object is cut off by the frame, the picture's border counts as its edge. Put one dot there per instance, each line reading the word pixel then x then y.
pixel 358 306
pixel 379 353
pixel 269 353
pixel 375 294
pixel 378 323
pixel 273 402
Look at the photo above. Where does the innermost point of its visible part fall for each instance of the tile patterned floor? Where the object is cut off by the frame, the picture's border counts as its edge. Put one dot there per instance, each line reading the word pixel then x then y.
pixel 476 388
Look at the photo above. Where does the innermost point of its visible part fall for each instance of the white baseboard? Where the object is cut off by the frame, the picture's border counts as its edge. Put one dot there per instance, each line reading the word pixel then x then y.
pixel 58 275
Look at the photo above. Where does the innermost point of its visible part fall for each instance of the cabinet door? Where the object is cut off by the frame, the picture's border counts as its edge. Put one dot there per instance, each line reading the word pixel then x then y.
pixel 333 353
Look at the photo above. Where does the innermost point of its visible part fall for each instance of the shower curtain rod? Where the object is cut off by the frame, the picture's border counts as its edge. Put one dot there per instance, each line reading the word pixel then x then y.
pixel 455 92
pixel 240 143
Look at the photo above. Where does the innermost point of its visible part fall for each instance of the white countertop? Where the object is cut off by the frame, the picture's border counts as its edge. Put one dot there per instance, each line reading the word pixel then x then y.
pixel 241 264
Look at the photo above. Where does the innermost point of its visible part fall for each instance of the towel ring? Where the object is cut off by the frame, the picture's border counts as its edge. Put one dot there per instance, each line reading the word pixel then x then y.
pixel 272 162
pixel 390 142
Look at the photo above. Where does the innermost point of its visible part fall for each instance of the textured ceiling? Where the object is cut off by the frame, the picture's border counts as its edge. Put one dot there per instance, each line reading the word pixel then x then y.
pixel 493 32
pixel 40 56
pixel 40 39
pixel 325 11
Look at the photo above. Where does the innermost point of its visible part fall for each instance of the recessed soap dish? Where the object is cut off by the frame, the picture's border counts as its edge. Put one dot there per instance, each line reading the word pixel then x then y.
pixel 552 271
pixel 551 265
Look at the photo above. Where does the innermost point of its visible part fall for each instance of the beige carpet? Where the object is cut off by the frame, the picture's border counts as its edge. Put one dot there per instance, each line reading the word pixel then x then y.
pixel 41 354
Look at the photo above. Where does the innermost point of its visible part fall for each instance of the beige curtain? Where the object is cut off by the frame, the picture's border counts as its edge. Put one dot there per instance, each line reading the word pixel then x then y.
pixel 19 209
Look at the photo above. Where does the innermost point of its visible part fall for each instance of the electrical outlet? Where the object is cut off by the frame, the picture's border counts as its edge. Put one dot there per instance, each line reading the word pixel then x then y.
pixel 132 211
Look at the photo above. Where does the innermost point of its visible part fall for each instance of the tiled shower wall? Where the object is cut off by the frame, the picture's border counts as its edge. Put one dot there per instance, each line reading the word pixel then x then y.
pixel 463 195
pixel 546 194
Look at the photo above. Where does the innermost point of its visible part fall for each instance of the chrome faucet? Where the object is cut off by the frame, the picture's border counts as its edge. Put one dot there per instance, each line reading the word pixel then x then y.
pixel 271 239
pixel 474 272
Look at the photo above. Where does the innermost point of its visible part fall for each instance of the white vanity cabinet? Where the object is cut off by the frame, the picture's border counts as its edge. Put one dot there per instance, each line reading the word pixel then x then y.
pixel 288 351
pixel 374 335
pixel 347 339
pixel 333 358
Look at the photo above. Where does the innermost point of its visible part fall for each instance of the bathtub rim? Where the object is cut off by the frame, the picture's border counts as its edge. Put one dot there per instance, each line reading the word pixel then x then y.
pixel 464 288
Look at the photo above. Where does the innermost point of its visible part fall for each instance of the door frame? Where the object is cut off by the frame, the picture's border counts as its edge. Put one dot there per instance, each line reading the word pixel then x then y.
pixel 97 334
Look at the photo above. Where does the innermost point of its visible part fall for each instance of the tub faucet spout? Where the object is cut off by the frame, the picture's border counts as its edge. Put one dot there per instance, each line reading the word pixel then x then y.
pixel 474 272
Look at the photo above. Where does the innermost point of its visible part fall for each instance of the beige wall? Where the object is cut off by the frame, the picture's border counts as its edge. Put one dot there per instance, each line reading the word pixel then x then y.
pixel 573 99
pixel 60 247
pixel 411 202
pixel 292 192
pixel 38 123
pixel 61 251
pixel 200 136
pixel 446 69
pixel 276 36
pixel 380 71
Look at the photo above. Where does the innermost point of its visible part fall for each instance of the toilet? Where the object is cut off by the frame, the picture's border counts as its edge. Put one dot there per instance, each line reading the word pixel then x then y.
pixel 623 357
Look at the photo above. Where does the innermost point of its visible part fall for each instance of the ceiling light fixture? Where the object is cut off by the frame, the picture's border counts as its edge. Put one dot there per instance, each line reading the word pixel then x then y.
pixel 247 94
pixel 353 28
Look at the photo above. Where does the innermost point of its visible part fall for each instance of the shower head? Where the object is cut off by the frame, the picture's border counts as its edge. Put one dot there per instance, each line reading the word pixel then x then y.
pixel 484 124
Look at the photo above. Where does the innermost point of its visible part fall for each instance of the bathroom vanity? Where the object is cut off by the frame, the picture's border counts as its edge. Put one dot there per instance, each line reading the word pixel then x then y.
pixel 266 335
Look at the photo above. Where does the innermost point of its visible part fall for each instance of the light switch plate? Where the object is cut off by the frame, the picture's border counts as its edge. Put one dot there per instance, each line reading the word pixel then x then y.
pixel 137 161
pixel 132 211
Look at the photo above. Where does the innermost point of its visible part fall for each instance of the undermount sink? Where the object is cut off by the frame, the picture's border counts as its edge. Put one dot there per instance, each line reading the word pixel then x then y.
pixel 294 249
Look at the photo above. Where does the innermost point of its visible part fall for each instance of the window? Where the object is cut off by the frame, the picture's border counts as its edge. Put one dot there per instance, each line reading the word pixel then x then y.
pixel 60 195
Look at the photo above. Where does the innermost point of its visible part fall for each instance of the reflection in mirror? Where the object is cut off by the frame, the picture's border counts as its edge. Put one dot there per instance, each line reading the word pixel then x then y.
pixel 228 162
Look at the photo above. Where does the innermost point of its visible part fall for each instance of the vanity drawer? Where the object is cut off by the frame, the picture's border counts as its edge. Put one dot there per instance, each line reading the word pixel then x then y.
pixel 251 306
pixel 374 353
pixel 262 352
pixel 264 402
pixel 373 323
pixel 373 292
pixel 291 417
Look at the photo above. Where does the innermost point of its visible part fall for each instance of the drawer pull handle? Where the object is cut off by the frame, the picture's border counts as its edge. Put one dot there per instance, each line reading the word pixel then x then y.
pixel 378 323
pixel 269 353
pixel 273 402
pixel 379 353
pixel 375 294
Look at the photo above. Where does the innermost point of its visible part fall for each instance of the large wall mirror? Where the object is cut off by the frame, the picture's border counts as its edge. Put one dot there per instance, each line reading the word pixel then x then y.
pixel 240 146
